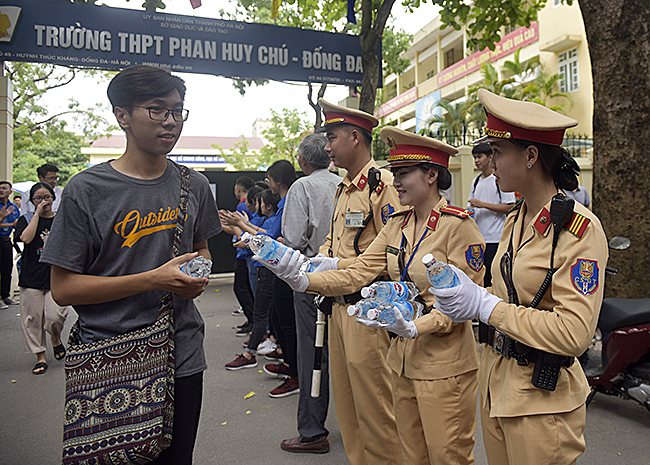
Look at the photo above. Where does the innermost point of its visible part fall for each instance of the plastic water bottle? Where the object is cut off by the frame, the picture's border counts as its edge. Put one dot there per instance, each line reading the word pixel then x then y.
pixel 198 267
pixel 385 314
pixel 439 274
pixel 361 308
pixel 390 291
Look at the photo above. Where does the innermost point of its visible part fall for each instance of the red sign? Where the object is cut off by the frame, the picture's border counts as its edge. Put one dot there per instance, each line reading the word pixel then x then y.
pixel 395 103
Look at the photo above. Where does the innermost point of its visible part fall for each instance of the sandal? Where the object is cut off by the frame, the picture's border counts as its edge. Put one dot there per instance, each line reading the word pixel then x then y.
pixel 59 352
pixel 39 368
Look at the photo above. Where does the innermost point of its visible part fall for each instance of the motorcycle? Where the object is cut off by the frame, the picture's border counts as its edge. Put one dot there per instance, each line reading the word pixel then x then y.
pixel 622 366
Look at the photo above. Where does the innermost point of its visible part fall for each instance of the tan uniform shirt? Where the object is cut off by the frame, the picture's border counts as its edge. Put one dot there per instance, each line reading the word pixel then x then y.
pixel 352 196
pixel 565 320
pixel 443 348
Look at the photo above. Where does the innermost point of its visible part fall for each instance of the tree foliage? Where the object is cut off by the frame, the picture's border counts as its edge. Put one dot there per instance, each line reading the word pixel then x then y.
pixel 239 156
pixel 289 128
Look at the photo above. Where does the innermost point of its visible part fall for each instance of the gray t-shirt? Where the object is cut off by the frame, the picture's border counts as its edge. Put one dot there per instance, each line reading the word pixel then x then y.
pixel 111 224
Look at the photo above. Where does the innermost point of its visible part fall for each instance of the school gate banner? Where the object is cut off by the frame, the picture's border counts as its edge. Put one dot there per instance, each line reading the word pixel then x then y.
pixel 80 34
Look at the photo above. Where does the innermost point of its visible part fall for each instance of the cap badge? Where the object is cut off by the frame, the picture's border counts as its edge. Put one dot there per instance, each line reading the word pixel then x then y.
pixel 391 143
pixel 498 134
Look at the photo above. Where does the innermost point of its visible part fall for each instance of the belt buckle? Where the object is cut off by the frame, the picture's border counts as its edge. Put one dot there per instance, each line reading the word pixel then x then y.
pixel 501 343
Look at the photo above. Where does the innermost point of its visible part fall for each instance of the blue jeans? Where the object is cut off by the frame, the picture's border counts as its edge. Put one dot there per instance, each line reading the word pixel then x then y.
pixel 252 273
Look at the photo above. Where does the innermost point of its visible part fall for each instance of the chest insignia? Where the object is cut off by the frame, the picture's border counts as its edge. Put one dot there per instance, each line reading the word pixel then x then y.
pixel 433 220
pixel 363 180
pixel 578 225
pixel 543 221
pixel 456 211
pixel 584 276
pixel 392 250
pixel 474 257
pixel 386 211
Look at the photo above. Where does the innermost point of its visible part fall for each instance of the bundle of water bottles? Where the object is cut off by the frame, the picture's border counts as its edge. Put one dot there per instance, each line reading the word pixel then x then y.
pixel 381 300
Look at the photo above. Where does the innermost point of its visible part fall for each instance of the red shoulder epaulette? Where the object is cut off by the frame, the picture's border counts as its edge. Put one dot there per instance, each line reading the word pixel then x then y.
pixel 578 225
pixel 456 211
pixel 380 187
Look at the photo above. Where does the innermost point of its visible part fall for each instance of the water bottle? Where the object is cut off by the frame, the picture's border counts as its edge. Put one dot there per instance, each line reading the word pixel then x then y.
pixel 439 274
pixel 361 308
pixel 385 314
pixel 390 291
pixel 198 267
pixel 272 251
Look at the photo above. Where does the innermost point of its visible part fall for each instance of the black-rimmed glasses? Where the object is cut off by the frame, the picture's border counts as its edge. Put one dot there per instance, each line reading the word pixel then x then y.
pixel 45 197
pixel 161 114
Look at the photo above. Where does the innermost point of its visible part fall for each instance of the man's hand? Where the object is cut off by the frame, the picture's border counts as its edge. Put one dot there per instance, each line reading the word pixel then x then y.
pixel 401 327
pixel 5 211
pixel 288 269
pixel 476 203
pixel 170 278
pixel 324 263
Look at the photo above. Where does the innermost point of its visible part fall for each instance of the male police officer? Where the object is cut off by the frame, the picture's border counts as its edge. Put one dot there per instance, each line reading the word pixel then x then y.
pixel 360 376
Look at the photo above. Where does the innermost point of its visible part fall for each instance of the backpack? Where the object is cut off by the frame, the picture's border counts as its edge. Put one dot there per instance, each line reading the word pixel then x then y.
pixel 476 184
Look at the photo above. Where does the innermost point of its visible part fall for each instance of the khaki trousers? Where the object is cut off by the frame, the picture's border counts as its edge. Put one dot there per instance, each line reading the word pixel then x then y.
pixel 545 439
pixel 436 419
pixel 362 391
pixel 39 314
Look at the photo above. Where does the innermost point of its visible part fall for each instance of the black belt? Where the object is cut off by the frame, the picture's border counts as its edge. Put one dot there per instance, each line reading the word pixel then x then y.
pixel 349 299
pixel 6 239
pixel 508 347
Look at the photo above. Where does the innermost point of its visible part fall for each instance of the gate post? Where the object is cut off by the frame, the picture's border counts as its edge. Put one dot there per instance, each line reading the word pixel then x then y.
pixel 6 127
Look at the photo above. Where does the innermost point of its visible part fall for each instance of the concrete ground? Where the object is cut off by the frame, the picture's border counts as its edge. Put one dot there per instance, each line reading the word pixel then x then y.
pixel 234 429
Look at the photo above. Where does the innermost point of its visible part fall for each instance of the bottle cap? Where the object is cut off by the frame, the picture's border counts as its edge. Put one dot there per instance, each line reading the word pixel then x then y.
pixel 372 314
pixel 352 310
pixel 365 292
pixel 428 260
pixel 246 237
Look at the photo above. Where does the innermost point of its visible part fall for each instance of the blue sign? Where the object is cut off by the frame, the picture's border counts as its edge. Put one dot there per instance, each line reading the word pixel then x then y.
pixel 425 109
pixel 82 34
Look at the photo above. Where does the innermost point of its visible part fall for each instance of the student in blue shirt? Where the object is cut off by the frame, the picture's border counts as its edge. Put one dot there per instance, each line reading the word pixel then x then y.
pixel 9 214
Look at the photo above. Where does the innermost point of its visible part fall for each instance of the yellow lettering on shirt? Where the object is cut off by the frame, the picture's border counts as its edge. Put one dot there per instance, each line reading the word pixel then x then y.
pixel 135 226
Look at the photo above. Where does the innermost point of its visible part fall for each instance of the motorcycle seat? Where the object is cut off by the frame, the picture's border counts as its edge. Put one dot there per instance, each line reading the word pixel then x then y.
pixel 620 313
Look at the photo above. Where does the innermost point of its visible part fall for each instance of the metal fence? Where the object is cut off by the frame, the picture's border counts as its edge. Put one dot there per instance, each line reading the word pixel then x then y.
pixel 578 145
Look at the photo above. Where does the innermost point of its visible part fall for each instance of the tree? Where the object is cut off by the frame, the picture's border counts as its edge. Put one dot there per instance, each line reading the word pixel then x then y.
pixel 239 157
pixel 283 138
pixel 617 36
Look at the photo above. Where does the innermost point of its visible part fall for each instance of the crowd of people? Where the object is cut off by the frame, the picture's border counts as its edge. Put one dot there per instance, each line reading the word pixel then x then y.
pixel 404 392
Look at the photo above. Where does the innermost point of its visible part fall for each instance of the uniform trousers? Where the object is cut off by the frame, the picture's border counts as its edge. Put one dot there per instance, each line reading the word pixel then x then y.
pixel 436 419
pixel 284 323
pixel 544 439
pixel 39 314
pixel 188 397
pixel 361 388
pixel 242 289
pixel 488 256
pixel 312 412
pixel 6 266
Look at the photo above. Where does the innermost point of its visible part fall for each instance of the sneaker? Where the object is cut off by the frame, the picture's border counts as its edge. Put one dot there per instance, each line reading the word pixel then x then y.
pixel 279 370
pixel 3 305
pixel 241 362
pixel 274 356
pixel 244 332
pixel 10 301
pixel 289 387
pixel 237 312
pixel 266 347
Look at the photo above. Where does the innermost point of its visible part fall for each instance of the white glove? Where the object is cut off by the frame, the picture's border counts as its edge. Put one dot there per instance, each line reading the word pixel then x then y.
pixel 324 263
pixel 401 327
pixel 288 269
pixel 466 301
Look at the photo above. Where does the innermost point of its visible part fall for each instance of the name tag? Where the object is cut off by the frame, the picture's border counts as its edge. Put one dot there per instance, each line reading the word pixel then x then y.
pixel 392 250
pixel 353 219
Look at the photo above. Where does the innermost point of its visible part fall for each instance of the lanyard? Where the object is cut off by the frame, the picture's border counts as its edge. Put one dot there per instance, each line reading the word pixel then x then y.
pixel 401 250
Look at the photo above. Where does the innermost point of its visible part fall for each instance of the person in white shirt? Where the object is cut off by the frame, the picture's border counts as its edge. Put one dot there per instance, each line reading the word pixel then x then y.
pixel 46 173
pixel 490 205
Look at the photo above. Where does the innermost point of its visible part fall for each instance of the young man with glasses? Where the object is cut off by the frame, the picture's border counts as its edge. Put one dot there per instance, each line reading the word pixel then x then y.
pixel 47 173
pixel 111 246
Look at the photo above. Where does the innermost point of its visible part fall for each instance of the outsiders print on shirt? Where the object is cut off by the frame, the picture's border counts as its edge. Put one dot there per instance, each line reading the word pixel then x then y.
pixel 135 226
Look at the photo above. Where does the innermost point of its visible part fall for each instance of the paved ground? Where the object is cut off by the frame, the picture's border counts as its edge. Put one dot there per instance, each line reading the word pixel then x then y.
pixel 31 408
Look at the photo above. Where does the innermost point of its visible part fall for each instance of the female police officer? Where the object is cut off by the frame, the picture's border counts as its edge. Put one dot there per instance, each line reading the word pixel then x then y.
pixel 533 395
pixel 433 361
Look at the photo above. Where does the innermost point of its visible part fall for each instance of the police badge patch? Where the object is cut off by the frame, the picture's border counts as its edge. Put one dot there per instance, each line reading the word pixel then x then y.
pixel 584 276
pixel 474 257
pixel 386 211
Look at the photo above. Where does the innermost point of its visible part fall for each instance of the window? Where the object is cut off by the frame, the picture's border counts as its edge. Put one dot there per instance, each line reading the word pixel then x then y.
pixel 431 73
pixel 557 3
pixel 449 58
pixel 568 69
pixel 511 28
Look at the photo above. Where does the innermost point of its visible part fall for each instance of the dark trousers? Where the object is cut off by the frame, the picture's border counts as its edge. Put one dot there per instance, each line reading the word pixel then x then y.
pixel 243 290
pixel 284 323
pixel 312 412
pixel 488 257
pixel 188 396
pixel 262 307
pixel 6 265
